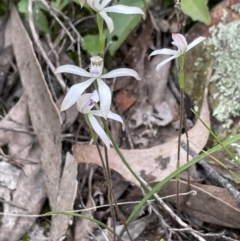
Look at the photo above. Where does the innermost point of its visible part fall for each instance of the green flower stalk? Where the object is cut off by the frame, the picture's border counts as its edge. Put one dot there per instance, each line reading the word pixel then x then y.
pixel 182 47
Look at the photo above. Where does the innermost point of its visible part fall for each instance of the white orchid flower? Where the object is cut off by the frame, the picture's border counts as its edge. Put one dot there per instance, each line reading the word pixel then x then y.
pixel 85 105
pixel 180 42
pixel 103 10
pixel 95 73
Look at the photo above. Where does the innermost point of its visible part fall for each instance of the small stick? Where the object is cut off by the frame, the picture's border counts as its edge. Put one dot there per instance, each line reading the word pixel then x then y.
pixel 112 200
pixel 75 31
pixel 42 51
pixel 58 20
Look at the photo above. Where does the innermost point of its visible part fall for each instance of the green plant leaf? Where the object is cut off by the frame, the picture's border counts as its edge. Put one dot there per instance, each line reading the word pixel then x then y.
pixel 39 17
pixel 197 10
pixel 124 24
pixel 91 44
pixel 155 189
pixel 40 20
pixel 22 6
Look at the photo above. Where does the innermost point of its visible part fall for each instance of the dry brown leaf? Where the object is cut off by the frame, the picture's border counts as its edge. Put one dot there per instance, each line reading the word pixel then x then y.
pixel 156 107
pixel 44 115
pixel 124 100
pixel 211 204
pixel 153 164
pixel 6 57
pixel 19 144
pixel 160 97
pixel 28 193
pixel 65 199
pixel 85 227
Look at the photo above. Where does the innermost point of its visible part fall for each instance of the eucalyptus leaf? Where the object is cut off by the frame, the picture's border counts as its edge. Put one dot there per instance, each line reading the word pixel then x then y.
pixel 197 10
pixel 40 20
pixel 39 17
pixel 124 24
pixel 22 6
pixel 91 44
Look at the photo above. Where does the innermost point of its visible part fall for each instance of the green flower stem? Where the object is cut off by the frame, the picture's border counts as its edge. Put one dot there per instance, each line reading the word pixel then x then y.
pixel 184 167
pixel 101 36
pixel 181 85
pixel 144 185
pixel 181 71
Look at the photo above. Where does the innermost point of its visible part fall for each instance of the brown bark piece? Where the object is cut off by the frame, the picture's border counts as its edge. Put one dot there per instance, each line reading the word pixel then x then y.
pixel 23 190
pixel 65 199
pixel 44 115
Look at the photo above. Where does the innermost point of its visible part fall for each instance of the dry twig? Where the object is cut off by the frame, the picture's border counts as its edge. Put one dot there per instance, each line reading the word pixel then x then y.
pixel 38 43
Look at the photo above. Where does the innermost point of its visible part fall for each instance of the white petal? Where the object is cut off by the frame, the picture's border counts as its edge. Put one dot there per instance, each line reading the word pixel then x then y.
pixel 164 51
pixel 116 117
pixel 111 115
pixel 124 9
pixel 72 69
pixel 108 20
pixel 105 3
pixel 180 41
pixel 121 72
pixel 83 104
pixel 159 66
pixel 105 97
pixel 195 42
pixel 95 96
pixel 94 4
pixel 97 113
pixel 75 93
pixel 99 130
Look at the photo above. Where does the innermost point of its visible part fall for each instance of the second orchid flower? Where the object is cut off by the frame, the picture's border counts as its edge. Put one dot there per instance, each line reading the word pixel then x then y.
pixel 181 43
pixel 85 105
